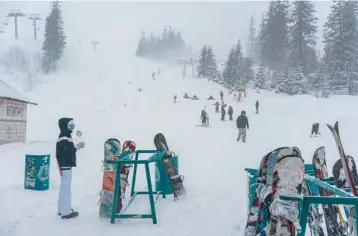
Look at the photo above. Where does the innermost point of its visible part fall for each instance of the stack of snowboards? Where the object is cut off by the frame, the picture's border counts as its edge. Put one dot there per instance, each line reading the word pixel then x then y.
pixel 331 212
pixel 127 148
pixel 112 150
pixel 260 213
pixel 175 179
pixel 341 182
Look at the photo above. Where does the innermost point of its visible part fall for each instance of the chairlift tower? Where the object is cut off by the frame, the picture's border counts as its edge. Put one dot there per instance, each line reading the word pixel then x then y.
pixel 15 13
pixel 34 18
pixel 94 42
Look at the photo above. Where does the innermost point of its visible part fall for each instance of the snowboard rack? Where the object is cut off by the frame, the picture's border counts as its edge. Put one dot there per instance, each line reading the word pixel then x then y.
pixel 157 156
pixel 343 196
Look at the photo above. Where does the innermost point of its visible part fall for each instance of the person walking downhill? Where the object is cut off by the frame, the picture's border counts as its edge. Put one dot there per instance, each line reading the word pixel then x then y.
pixel 66 159
pixel 242 122
pixel 223 113
pixel 230 112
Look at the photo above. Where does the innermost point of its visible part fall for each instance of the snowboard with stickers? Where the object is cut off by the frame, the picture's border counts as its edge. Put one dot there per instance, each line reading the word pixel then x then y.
pixel 263 217
pixel 112 150
pixel 175 179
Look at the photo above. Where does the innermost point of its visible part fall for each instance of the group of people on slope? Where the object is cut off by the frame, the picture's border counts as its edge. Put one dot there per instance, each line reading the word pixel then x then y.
pixel 242 121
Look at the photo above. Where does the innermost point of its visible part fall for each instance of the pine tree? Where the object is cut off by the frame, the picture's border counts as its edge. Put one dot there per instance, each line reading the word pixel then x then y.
pixel 229 71
pixel 142 46
pixel 54 43
pixel 303 27
pixel 239 63
pixel 261 80
pixel 211 66
pixel 341 44
pixel 249 73
pixel 234 69
pixel 274 35
pixel 295 82
pixel 201 67
pixel 252 40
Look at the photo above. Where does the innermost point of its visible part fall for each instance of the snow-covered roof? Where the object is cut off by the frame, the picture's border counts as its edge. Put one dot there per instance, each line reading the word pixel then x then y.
pixel 6 91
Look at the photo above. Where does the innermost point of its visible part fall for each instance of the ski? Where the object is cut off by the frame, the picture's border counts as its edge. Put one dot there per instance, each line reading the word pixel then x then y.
pixel 335 133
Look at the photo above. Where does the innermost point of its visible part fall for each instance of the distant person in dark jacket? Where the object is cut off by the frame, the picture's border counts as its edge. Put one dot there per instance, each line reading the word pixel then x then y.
pixel 242 122
pixel 66 159
pixel 230 112
pixel 204 118
pixel 223 113
pixel 257 106
pixel 222 95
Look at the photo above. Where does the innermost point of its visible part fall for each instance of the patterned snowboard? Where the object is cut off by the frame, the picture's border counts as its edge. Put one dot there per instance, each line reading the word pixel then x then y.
pixel 287 180
pixel 112 150
pixel 128 147
pixel 175 179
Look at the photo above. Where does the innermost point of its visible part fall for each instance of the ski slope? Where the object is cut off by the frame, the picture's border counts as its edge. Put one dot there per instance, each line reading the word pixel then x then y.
pixel 108 104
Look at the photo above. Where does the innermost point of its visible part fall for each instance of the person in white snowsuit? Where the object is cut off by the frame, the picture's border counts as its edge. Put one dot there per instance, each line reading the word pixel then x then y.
pixel 66 159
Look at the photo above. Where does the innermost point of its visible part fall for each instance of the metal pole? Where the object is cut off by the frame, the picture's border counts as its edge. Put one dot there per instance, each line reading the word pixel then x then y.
pixel 34 18
pixel 15 13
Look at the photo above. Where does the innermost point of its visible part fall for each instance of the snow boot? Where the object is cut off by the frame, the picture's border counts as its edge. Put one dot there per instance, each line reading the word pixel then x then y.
pixel 73 214
pixel 60 213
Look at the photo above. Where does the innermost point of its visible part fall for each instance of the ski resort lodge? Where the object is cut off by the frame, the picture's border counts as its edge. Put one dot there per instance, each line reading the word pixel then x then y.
pixel 13 115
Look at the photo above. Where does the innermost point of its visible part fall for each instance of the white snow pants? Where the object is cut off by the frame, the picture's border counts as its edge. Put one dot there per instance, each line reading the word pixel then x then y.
pixel 64 198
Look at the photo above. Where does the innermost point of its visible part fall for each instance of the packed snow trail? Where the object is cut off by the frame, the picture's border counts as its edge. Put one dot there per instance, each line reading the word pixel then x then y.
pixel 211 159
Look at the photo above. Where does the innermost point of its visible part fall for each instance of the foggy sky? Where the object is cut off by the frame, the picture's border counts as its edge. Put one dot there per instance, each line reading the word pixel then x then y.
pixel 119 24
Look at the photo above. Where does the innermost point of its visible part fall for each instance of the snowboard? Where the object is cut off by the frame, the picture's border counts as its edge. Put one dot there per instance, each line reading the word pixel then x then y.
pixel 253 215
pixel 175 179
pixel 267 199
pixel 341 182
pixel 258 214
pixel 127 147
pixel 287 180
pixel 330 212
pixel 112 150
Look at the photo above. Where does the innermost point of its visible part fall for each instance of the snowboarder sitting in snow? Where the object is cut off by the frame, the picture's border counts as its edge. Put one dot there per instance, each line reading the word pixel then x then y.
pixel 217 106
pixel 203 117
pixel 195 97
pixel 230 112
pixel 315 129
pixel 66 158
pixel 186 95
pixel 257 106
pixel 223 113
pixel 211 98
pixel 242 122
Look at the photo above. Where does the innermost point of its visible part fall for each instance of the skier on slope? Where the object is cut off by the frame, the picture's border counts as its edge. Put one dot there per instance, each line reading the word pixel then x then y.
pixel 203 117
pixel 175 98
pixel 223 113
pixel 153 75
pixel 222 95
pixel 66 158
pixel 257 106
pixel 242 122
pixel 230 112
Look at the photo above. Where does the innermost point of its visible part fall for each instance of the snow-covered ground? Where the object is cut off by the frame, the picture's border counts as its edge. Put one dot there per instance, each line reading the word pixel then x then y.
pixel 211 159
